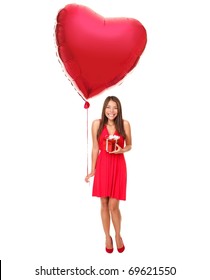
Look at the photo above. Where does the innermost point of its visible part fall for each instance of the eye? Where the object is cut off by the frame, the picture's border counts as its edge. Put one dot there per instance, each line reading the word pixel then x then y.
pixel 113 108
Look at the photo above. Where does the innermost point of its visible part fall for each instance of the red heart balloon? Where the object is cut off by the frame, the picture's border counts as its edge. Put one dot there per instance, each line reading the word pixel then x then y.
pixel 97 52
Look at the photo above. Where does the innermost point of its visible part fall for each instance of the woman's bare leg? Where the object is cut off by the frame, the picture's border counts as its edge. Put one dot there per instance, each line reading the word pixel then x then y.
pixel 116 220
pixel 105 217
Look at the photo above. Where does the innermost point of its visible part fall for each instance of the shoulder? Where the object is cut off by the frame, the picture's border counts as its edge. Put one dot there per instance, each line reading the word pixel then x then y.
pixel 126 124
pixel 96 124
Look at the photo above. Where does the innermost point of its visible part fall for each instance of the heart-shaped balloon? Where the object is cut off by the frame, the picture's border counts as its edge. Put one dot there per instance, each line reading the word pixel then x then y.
pixel 97 52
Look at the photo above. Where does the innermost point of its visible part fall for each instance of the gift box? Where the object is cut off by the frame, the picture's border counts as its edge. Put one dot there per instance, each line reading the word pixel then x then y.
pixel 110 143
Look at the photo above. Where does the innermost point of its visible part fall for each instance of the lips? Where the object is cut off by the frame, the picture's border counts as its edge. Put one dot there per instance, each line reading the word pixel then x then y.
pixel 111 115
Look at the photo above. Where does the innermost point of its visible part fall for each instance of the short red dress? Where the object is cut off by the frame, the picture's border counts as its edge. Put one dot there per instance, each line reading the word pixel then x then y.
pixel 110 178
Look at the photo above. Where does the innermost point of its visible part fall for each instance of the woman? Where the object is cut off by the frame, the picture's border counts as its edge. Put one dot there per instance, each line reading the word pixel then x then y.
pixel 109 167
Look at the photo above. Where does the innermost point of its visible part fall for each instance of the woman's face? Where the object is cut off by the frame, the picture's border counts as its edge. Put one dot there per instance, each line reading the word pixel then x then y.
pixel 111 110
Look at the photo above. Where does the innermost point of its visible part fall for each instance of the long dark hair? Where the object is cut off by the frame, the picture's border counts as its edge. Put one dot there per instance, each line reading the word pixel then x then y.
pixel 118 121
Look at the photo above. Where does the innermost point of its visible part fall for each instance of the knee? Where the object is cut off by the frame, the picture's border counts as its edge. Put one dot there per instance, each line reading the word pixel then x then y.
pixel 104 204
pixel 113 207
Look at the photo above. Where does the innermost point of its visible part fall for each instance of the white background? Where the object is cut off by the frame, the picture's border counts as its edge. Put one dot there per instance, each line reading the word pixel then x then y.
pixel 48 216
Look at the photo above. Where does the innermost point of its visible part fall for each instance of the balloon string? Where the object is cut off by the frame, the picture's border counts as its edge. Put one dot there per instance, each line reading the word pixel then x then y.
pixel 86 106
pixel 87 141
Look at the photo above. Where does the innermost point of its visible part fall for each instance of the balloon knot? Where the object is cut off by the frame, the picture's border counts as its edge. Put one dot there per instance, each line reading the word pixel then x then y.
pixel 87 105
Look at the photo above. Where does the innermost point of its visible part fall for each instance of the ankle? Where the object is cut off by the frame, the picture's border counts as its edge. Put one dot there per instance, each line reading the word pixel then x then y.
pixel 118 236
pixel 108 236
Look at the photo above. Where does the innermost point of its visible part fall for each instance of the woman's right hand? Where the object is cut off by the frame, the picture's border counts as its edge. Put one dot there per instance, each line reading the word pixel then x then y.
pixel 91 174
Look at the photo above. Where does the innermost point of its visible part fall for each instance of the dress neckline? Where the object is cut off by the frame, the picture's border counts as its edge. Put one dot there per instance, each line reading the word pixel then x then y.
pixel 108 130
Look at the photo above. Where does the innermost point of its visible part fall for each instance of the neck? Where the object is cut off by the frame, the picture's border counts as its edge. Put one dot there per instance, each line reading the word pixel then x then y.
pixel 110 123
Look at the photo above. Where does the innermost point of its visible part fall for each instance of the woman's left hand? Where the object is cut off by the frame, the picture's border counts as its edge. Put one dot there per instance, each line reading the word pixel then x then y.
pixel 119 150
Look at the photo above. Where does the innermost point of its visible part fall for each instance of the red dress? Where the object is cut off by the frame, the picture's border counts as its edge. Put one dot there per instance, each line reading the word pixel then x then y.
pixel 111 174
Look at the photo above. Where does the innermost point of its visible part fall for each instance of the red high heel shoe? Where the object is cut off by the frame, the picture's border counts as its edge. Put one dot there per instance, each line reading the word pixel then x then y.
pixel 122 249
pixel 110 250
